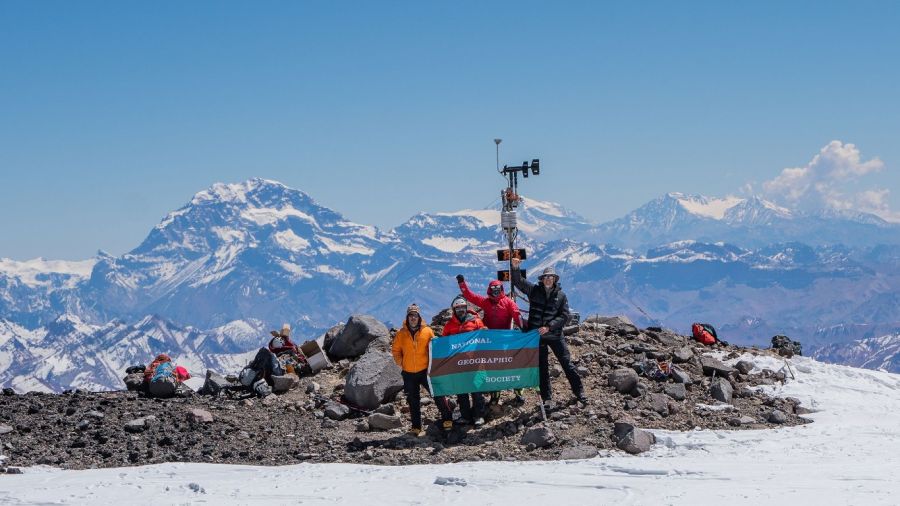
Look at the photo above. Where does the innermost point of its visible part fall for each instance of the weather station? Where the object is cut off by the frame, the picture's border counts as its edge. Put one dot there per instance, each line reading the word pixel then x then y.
pixel 511 200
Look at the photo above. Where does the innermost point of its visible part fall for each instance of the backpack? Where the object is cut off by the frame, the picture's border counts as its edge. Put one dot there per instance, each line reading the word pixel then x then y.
pixel 704 333
pixel 163 371
pixel 163 383
pixel 247 376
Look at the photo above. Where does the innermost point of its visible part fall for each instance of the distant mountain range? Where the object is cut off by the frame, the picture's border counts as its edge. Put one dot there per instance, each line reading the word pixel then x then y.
pixel 881 353
pixel 748 222
pixel 209 280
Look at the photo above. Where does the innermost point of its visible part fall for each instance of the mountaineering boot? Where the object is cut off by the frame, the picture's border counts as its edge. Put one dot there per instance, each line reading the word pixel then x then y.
pixel 462 421
pixel 581 398
pixel 416 432
pixel 479 421
pixel 447 426
pixel 518 400
pixel 495 398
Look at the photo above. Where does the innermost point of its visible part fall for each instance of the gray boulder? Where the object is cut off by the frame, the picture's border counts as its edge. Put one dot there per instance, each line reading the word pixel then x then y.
pixel 386 409
pixel 612 321
pixel 777 416
pixel 660 404
pixel 200 416
pixel 5 429
pixel 623 380
pixel 578 453
pixel 356 335
pixel 281 384
pixel 682 355
pixel 374 379
pixel 539 436
pixel 721 390
pixel 336 410
pixel 681 376
pixel 140 424
pixel 742 420
pixel 380 421
pixel 715 367
pixel 215 383
pixel 676 391
pixel 744 367
pixel 631 439
pixel 326 339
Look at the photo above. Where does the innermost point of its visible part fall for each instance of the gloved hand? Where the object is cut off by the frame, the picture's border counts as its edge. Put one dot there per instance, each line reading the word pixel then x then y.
pixel 460 278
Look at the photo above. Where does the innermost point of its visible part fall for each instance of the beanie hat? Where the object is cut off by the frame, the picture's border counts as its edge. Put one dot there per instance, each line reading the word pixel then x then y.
pixel 286 330
pixel 413 309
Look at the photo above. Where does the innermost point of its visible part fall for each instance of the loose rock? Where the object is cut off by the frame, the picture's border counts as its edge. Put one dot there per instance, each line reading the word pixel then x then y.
pixel 336 410
pixel 721 390
pixel 623 380
pixel 744 366
pixel 777 416
pixel 380 421
pixel 200 416
pixel 578 453
pixel 715 366
pixel 356 335
pixel 373 380
pixel 676 391
pixel 539 436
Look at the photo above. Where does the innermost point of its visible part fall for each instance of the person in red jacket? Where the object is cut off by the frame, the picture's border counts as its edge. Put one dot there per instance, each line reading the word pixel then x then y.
pixel 500 312
pixel 471 411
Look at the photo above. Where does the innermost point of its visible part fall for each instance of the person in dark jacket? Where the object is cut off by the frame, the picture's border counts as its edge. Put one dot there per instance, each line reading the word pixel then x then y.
pixel 548 312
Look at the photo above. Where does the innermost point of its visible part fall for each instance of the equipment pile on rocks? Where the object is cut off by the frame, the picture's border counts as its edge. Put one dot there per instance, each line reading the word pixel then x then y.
pixel 636 379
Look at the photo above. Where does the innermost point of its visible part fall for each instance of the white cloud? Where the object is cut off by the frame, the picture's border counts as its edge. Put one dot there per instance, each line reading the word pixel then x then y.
pixel 830 181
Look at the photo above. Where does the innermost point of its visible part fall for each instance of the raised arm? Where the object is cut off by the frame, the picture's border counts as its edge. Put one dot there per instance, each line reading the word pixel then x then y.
pixel 470 296
pixel 523 285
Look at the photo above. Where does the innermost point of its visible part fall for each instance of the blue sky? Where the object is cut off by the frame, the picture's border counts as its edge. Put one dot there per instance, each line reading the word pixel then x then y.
pixel 114 113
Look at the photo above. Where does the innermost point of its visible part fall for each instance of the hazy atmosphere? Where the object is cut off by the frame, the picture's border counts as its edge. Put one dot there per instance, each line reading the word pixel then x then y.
pixel 115 114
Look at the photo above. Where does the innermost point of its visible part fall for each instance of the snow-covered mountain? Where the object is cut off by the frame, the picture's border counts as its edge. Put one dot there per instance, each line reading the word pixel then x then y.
pixel 36 291
pixel 747 222
pixel 239 258
pixel 69 353
pixel 254 248
pixel 882 353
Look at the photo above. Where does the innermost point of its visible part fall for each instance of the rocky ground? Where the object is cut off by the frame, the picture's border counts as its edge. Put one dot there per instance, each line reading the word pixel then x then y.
pixel 82 430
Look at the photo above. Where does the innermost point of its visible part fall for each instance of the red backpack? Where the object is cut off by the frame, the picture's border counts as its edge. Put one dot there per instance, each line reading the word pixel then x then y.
pixel 704 333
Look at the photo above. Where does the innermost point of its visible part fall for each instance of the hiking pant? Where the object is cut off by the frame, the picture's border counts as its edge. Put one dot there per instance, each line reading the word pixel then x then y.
pixel 561 350
pixel 466 410
pixel 412 381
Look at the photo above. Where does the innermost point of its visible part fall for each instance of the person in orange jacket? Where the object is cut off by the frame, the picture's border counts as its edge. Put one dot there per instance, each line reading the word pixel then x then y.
pixel 471 406
pixel 410 350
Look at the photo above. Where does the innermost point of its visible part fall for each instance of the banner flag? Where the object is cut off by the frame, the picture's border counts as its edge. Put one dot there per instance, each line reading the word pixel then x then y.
pixel 483 361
